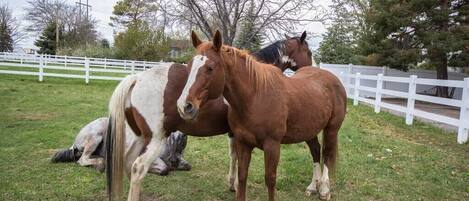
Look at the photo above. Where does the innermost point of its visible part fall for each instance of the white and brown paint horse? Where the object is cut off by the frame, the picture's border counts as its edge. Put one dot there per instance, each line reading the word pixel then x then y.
pixel 267 109
pixel 87 149
pixel 145 105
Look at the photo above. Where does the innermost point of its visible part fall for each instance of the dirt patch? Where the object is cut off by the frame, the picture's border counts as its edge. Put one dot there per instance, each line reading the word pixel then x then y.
pixel 35 116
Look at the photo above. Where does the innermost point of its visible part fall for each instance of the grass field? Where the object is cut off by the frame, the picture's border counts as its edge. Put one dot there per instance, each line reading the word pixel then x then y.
pixel 38 118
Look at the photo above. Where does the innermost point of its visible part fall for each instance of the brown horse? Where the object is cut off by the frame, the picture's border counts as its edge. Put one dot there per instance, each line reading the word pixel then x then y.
pixel 266 108
pixel 144 105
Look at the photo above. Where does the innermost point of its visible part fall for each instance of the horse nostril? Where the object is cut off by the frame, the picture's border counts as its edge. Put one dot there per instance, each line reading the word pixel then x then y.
pixel 188 108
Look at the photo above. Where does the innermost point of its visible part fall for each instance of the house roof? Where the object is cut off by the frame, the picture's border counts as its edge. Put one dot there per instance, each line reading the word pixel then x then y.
pixel 180 44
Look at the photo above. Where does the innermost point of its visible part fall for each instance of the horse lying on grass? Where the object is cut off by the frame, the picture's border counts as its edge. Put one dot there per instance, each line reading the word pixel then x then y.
pixel 87 150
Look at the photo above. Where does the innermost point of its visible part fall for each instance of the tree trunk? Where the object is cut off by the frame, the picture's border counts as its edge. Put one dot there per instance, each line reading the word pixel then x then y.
pixel 442 74
pixel 440 57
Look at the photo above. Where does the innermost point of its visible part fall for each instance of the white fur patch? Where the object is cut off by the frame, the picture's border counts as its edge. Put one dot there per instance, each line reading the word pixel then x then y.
pixel 287 59
pixel 313 187
pixel 197 62
pixel 148 96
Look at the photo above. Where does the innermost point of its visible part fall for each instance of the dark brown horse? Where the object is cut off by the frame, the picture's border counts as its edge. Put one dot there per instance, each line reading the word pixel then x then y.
pixel 266 108
pixel 144 105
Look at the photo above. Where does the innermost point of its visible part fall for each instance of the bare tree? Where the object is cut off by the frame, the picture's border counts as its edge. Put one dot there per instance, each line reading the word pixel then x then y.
pixel 273 17
pixel 41 13
pixel 10 32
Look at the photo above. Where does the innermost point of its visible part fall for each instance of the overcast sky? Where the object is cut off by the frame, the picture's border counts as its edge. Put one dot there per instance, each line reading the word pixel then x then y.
pixel 102 10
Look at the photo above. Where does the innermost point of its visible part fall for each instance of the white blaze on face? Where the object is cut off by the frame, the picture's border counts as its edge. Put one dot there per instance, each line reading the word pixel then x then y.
pixel 197 62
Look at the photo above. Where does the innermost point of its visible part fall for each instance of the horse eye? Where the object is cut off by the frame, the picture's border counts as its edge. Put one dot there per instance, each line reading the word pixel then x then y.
pixel 209 69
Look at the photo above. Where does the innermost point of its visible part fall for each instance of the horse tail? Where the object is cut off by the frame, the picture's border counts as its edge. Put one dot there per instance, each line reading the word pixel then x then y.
pixel 66 155
pixel 115 138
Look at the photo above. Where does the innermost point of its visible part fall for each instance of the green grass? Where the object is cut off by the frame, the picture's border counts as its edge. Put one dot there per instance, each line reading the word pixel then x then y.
pixel 38 118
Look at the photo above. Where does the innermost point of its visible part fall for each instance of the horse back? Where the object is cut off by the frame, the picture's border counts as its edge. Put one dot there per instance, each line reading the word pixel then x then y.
pixel 316 98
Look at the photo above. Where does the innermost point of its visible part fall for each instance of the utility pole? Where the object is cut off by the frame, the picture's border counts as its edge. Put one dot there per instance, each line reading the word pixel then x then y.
pixel 79 3
pixel 57 24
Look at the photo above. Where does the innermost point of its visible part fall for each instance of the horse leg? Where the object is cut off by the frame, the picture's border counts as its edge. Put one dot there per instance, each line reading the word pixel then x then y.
pixel 159 167
pixel 315 149
pixel 330 155
pixel 271 158
pixel 243 152
pixel 232 181
pixel 142 164
pixel 85 160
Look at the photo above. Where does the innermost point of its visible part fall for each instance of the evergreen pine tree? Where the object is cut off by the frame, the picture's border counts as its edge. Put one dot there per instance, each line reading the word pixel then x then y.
pixel 337 46
pixel 413 31
pixel 248 37
pixel 6 39
pixel 47 40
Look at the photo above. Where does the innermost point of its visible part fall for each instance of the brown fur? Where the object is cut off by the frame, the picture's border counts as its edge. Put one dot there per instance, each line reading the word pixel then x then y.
pixel 278 110
pixel 212 118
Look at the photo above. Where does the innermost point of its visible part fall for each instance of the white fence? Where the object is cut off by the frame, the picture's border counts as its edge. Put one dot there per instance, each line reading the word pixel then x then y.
pixel 354 84
pixel 71 67
pixel 375 70
pixel 363 83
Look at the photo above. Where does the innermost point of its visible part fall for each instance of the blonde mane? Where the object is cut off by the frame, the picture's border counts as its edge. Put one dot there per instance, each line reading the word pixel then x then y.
pixel 260 74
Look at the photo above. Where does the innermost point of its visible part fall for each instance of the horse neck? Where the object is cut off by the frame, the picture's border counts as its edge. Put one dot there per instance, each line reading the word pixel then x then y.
pixel 242 83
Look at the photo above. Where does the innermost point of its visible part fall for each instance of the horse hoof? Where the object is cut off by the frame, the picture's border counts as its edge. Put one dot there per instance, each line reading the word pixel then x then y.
pixel 310 192
pixel 326 196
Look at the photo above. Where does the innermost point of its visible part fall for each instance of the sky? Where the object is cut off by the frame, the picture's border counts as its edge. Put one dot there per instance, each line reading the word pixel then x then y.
pixel 101 10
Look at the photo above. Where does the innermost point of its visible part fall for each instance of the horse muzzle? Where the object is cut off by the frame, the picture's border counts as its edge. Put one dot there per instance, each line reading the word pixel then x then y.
pixel 188 111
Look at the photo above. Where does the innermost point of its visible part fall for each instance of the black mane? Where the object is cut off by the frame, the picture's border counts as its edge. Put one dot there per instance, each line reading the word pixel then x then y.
pixel 271 54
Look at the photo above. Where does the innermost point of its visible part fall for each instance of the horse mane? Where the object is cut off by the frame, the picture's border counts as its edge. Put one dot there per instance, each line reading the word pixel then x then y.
pixel 261 75
pixel 274 52
pixel 271 53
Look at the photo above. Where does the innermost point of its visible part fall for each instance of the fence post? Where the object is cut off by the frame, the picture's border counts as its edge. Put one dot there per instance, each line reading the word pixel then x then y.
pixel 105 62
pixel 356 92
pixel 409 117
pixel 132 68
pixel 125 64
pixel 45 59
pixel 41 68
pixel 341 78
pixel 320 64
pixel 22 56
pixel 349 77
pixel 379 87
pixel 65 61
pixel 87 70
pixel 464 113
pixel 144 65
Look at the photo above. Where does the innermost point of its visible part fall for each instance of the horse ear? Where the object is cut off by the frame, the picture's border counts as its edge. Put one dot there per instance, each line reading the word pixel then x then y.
pixel 287 37
pixel 303 37
pixel 217 41
pixel 195 39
